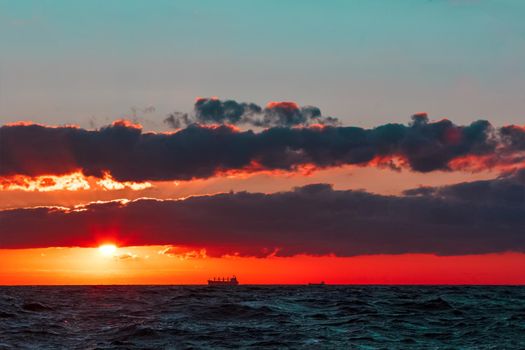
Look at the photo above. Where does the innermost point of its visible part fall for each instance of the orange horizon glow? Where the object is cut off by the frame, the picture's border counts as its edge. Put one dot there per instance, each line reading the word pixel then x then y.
pixel 172 265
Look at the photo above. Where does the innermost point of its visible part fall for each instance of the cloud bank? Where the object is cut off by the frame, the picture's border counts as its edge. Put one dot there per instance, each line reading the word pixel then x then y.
pixel 127 153
pixel 467 218
pixel 284 114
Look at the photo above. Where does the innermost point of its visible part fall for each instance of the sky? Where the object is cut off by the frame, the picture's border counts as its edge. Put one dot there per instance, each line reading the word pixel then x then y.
pixel 365 61
pixel 282 141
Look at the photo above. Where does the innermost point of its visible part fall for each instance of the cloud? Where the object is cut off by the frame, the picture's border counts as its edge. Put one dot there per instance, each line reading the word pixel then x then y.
pixel 127 153
pixel 215 111
pixel 507 190
pixel 182 253
pixel 209 110
pixel 71 182
pixel 467 218
pixel 126 257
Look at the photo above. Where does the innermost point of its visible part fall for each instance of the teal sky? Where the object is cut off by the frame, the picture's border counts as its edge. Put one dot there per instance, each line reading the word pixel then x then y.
pixel 367 62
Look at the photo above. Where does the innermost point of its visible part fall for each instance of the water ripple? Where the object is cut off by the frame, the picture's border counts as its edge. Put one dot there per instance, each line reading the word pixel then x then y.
pixel 184 317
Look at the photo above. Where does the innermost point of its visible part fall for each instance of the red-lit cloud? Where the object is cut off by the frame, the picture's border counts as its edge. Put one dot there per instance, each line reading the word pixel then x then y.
pixel 468 218
pixel 70 182
pixel 125 153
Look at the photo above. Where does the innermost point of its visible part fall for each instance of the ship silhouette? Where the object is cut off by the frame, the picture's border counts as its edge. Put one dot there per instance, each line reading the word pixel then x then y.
pixel 223 281
pixel 317 284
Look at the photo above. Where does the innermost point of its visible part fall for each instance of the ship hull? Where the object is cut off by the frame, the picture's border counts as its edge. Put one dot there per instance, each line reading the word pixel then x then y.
pixel 222 283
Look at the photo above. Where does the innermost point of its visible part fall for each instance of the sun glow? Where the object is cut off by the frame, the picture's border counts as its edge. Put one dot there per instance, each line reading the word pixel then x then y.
pixel 107 249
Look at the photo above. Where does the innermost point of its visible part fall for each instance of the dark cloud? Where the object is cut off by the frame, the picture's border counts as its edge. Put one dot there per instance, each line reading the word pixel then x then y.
pixel 289 114
pixel 215 111
pixel 508 189
pixel 177 120
pixel 313 219
pixel 514 137
pixel 129 154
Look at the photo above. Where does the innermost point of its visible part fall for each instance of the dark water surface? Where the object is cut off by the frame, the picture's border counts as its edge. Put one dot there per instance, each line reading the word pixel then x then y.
pixel 201 317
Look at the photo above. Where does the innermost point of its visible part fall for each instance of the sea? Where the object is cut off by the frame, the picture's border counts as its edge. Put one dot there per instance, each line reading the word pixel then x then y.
pixel 262 317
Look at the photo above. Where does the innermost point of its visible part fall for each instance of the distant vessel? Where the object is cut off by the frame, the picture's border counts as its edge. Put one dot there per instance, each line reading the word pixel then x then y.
pixel 317 284
pixel 223 281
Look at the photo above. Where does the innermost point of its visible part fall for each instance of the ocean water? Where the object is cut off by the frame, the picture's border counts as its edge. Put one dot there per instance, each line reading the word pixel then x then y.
pixel 273 317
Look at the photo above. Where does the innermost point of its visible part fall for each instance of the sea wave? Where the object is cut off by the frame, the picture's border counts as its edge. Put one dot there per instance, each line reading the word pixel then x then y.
pixel 173 317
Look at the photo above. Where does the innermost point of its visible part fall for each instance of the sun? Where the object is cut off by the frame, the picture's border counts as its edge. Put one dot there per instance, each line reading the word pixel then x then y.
pixel 107 249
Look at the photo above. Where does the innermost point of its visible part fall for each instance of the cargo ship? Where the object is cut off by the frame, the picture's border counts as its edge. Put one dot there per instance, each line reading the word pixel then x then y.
pixel 317 284
pixel 223 281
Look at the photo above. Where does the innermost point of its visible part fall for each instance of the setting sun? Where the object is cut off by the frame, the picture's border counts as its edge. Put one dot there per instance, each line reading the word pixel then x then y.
pixel 107 249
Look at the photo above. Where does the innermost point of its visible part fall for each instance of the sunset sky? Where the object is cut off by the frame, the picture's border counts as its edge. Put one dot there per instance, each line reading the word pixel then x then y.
pixel 168 142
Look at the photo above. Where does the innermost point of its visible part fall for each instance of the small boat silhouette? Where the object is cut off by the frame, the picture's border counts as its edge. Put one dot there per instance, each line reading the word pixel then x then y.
pixel 223 281
pixel 317 284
